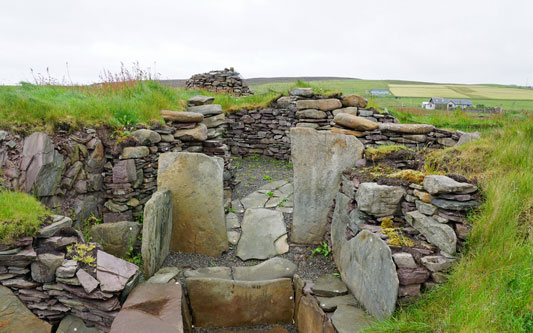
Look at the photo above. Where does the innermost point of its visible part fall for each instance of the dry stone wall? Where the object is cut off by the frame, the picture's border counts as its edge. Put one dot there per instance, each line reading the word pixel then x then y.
pixel 53 282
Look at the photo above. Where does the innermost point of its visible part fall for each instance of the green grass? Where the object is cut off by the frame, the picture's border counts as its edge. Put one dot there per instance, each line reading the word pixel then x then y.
pixel 20 215
pixel 44 107
pixel 412 94
pixel 491 287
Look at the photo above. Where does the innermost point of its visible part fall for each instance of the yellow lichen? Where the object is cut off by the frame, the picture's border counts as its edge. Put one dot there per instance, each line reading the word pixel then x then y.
pixel 82 253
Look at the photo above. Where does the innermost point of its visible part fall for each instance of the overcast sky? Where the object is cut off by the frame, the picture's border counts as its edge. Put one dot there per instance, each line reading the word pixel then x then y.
pixel 439 41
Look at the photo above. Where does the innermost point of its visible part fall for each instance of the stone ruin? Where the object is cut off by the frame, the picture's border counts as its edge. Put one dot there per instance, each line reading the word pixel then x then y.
pixel 392 235
pixel 225 81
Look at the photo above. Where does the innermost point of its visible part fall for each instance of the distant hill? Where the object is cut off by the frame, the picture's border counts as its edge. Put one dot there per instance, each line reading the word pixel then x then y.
pixel 261 80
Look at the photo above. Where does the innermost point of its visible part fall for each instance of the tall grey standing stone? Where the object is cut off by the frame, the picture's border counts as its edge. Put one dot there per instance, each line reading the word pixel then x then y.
pixel 366 267
pixel 44 165
pixel 318 159
pixel 157 229
pixel 195 182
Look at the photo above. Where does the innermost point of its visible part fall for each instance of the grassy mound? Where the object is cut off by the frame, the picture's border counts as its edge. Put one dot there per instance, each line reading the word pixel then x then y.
pixel 20 215
pixel 491 288
pixel 47 107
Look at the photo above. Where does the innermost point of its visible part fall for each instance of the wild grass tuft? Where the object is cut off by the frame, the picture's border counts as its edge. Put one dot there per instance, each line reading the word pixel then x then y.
pixel 20 215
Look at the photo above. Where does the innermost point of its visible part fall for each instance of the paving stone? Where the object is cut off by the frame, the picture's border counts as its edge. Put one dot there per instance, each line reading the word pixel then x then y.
pixel 274 268
pixel 329 286
pixel 349 319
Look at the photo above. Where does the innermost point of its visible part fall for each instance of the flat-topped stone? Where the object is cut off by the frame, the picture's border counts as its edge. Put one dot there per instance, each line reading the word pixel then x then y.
pixel 407 128
pixel 346 132
pixel 182 116
pixel 311 114
pixel 349 110
pixel 230 303
pixel 379 200
pixel 214 121
pixel 134 152
pixel 329 286
pixel 72 323
pixel 329 304
pixel 349 319
pixel 301 92
pixel 262 234
pixel 200 100
pixel 151 308
pixel 146 136
pixel 439 184
pixel 197 192
pixel 319 104
pixel 270 269
pixel 52 229
pixel 210 272
pixel 164 275
pixel 354 122
pixel 207 110
pixel 113 273
pixel 198 133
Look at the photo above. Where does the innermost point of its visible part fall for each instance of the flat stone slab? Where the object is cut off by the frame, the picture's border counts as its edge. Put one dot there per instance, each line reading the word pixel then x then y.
pixel 200 100
pixel 354 122
pixel 349 319
pixel 317 179
pixel 210 272
pixel 207 110
pixel 329 286
pixel 275 268
pixel 255 200
pixel 329 304
pixel 182 117
pixel 407 128
pixel 164 275
pixel 327 104
pixel 196 185
pixel 151 308
pixel 113 273
pixel 229 303
pixel 439 234
pixel 262 234
pixel 16 317
pixel 71 324
pixel 311 318
pixel 439 184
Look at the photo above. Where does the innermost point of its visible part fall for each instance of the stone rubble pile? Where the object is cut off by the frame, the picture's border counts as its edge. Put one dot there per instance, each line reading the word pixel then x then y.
pixel 225 81
pixel 53 283
pixel 390 242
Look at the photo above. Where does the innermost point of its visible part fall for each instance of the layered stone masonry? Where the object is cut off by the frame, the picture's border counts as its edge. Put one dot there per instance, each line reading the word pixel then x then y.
pixel 419 226
pixel 266 131
pixel 225 81
pixel 89 173
pixel 90 284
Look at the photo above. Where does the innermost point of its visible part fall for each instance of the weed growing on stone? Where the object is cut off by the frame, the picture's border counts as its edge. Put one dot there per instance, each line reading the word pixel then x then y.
pixel 270 194
pixel 266 177
pixel 82 253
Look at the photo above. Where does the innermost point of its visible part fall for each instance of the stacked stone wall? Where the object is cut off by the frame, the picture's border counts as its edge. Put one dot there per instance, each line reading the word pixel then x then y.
pixel 225 81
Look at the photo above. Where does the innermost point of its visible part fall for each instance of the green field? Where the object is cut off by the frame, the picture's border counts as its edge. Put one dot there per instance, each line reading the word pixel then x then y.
pixel 410 94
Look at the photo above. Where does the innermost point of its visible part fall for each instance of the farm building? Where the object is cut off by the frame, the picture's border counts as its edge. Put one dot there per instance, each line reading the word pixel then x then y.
pixel 445 103
pixel 379 92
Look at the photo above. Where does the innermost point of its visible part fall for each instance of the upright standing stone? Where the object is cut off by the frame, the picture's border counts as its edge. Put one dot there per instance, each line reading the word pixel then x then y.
pixel 318 159
pixel 195 182
pixel 157 228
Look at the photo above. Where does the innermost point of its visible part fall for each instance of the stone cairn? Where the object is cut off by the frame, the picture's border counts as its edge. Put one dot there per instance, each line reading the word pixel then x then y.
pixel 53 284
pixel 225 81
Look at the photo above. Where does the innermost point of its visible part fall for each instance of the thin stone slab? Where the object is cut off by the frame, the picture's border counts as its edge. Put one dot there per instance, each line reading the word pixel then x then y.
pixel 354 122
pixel 311 318
pixel 164 275
pixel 19 259
pixel 151 307
pixel 182 117
pixel 200 100
pixel 317 179
pixel 439 184
pixel 271 269
pixel 261 230
pixel 439 234
pixel 196 185
pixel 229 303
pixel 52 229
pixel 329 304
pixel 113 273
pixel 157 230
pixel 327 104
pixel 407 128
pixel 207 110
pixel 329 286
pixel 454 205
pixel 302 92
pixel 88 283
pixel 210 272
pixel 366 267
pixel 16 317
pixel 255 200
pixel 349 319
